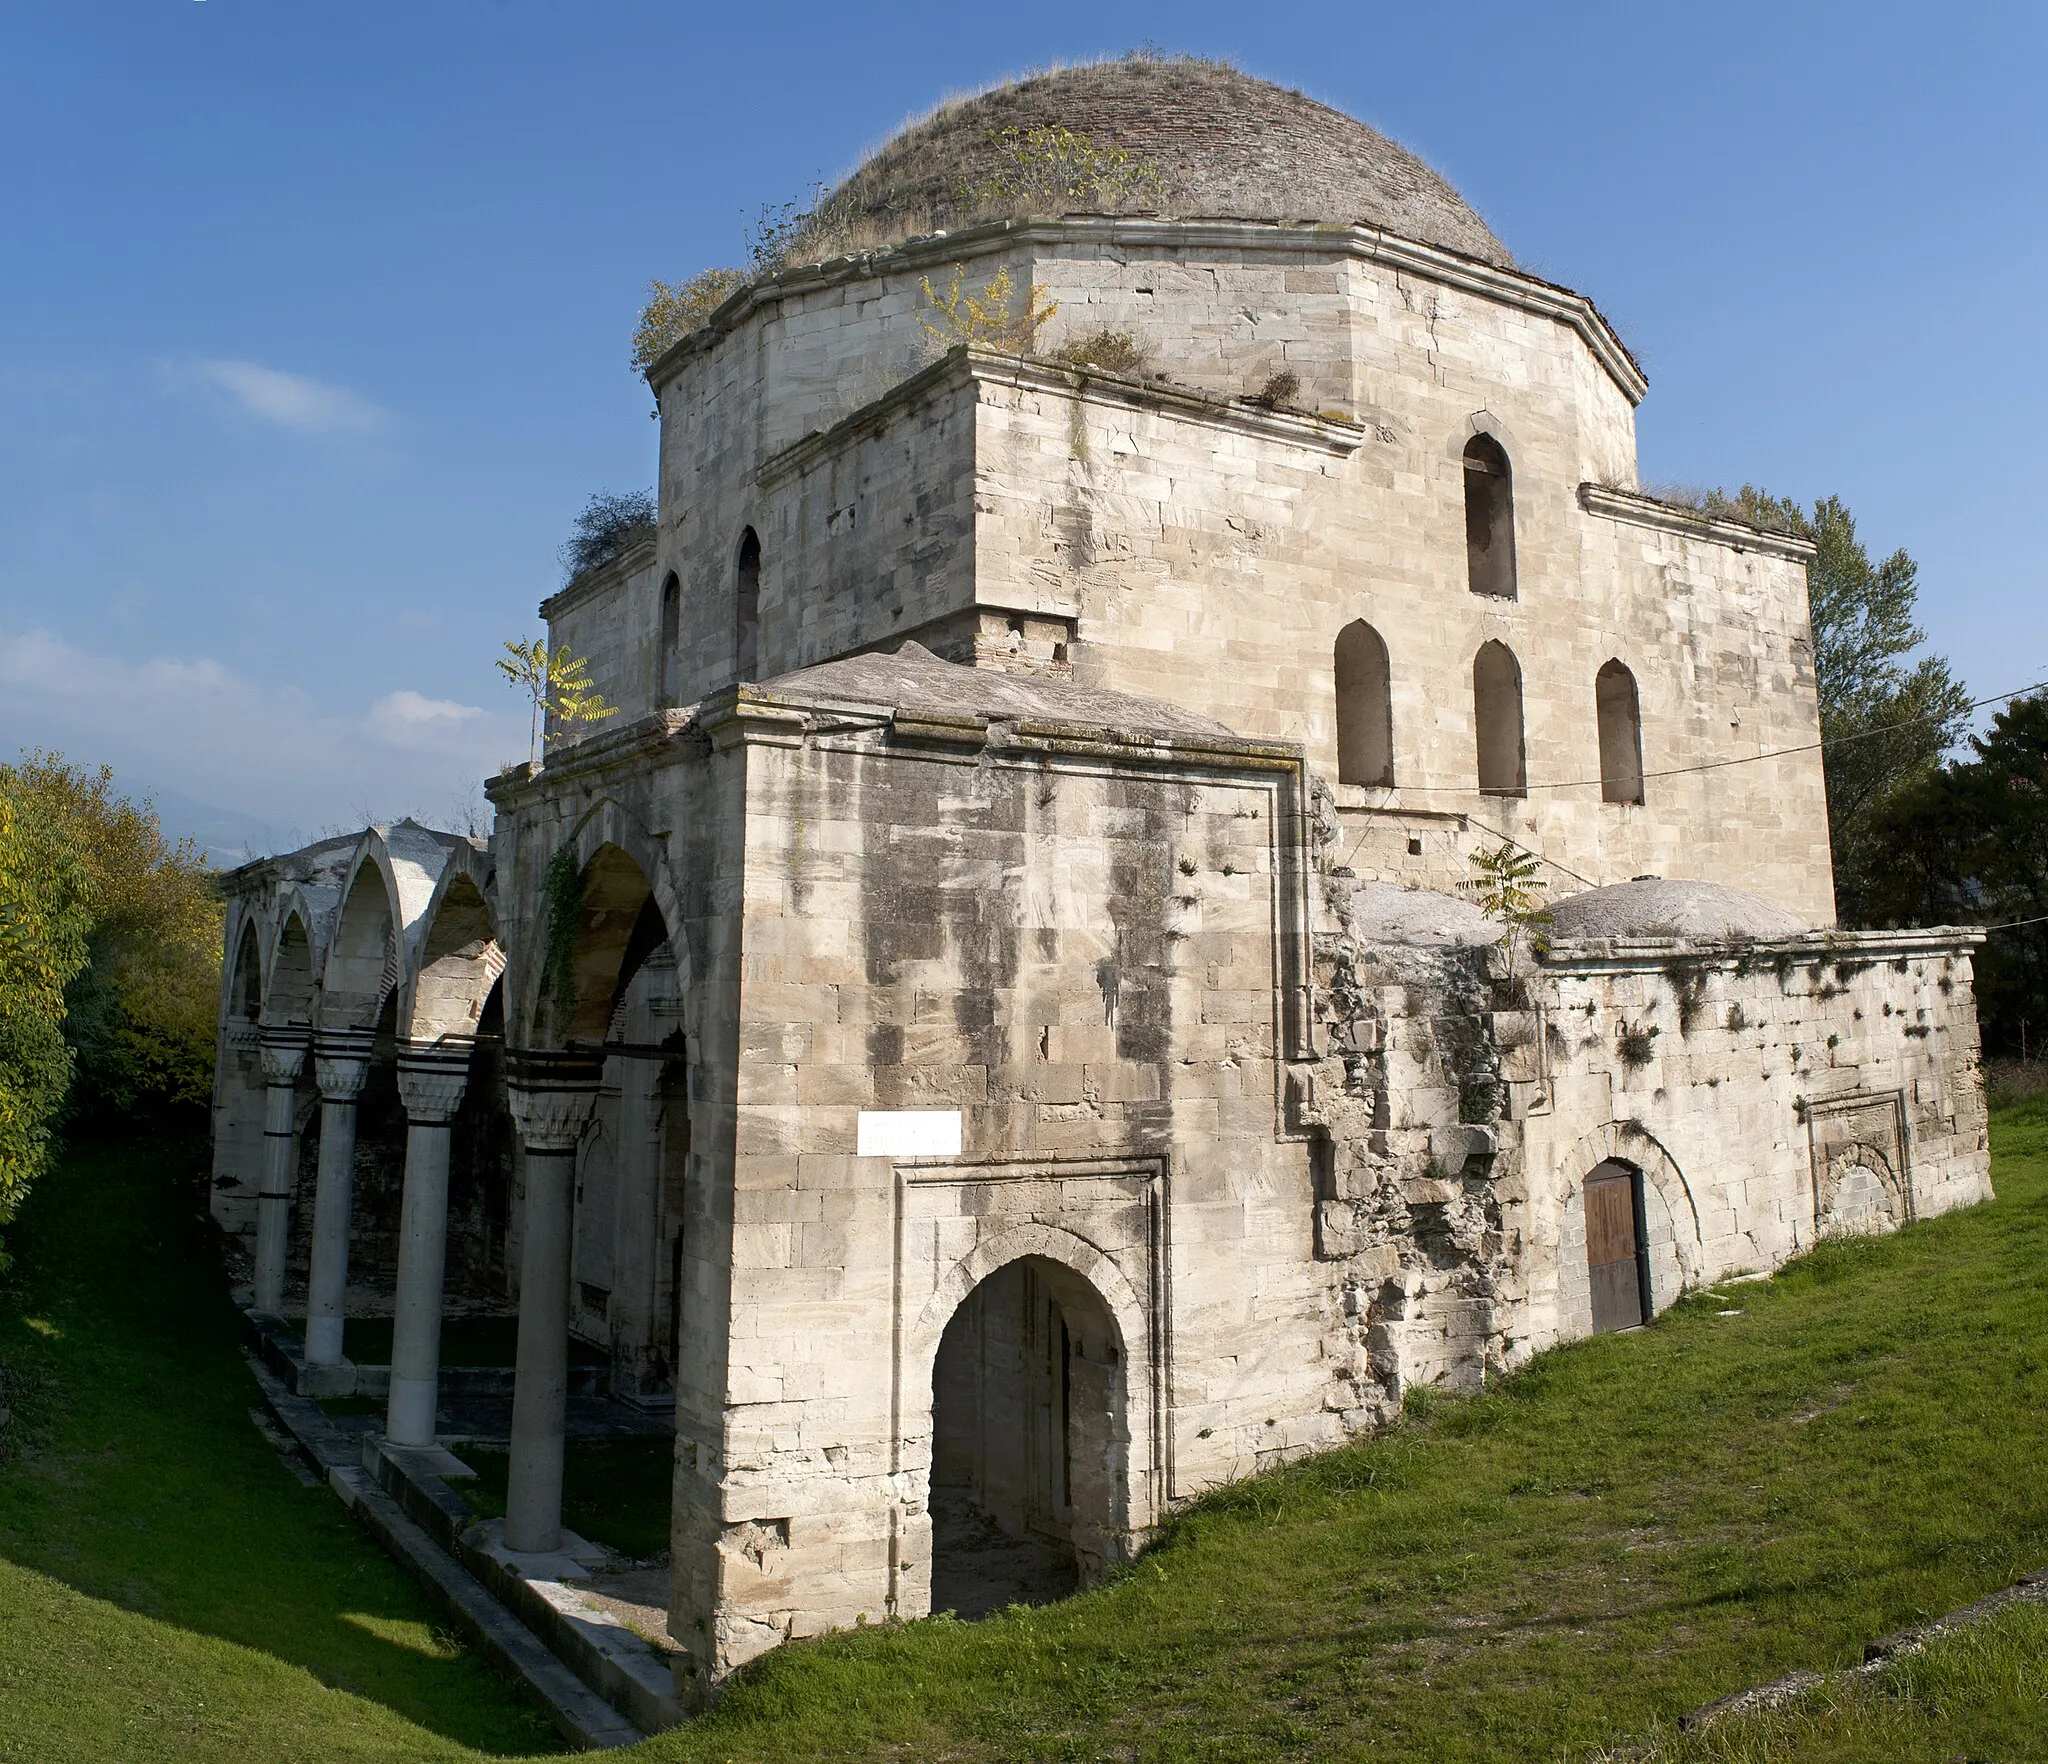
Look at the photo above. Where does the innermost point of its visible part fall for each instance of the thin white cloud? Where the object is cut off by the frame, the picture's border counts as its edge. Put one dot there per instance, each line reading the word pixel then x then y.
pixel 292 401
pixel 410 719
pixel 199 727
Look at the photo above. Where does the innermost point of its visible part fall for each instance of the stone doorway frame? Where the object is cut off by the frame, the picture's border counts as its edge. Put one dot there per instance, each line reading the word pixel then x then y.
pixel 1105 1219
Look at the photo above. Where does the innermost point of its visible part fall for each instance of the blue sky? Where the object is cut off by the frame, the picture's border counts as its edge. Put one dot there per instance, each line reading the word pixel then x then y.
pixel 314 318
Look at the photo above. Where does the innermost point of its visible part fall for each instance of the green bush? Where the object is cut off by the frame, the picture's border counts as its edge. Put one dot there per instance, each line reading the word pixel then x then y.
pixel 44 921
pixel 139 1013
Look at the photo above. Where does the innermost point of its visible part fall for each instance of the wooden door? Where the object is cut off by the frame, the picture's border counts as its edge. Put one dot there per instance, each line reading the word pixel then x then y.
pixel 1613 1248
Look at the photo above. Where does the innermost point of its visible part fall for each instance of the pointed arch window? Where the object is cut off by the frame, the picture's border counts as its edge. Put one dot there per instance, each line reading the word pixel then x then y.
pixel 747 616
pixel 1497 714
pixel 1489 519
pixel 1365 707
pixel 667 662
pixel 1621 734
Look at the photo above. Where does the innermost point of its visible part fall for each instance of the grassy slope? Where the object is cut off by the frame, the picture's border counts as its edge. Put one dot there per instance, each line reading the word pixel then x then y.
pixel 166 1588
pixel 1633 1526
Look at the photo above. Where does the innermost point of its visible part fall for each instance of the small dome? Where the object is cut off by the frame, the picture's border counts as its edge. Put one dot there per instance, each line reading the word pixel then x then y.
pixel 1176 136
pixel 1698 912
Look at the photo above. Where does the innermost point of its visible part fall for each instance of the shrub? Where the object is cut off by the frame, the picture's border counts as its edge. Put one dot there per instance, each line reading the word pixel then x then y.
pixel 608 524
pixel 1114 352
pixel 140 1014
pixel 996 318
pixel 675 309
pixel 1052 170
pixel 1279 392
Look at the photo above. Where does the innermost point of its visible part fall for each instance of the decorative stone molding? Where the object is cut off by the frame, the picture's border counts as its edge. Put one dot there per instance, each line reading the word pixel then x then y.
pixel 284 1053
pixel 242 1036
pixel 552 1094
pixel 341 1063
pixel 432 1077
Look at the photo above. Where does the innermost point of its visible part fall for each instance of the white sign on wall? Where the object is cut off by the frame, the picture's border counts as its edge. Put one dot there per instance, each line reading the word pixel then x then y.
pixel 909 1133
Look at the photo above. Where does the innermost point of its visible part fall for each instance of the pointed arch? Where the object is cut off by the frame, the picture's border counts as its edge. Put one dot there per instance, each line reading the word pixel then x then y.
pixel 245 977
pixel 1365 707
pixel 460 961
pixel 1489 519
pixel 668 657
pixel 1619 714
pixel 1497 716
pixel 362 967
pixel 288 998
pixel 747 607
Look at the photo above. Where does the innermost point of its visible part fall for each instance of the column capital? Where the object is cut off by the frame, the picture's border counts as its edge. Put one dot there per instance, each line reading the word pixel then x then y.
pixel 432 1076
pixel 283 1047
pixel 552 1093
pixel 341 1062
pixel 242 1034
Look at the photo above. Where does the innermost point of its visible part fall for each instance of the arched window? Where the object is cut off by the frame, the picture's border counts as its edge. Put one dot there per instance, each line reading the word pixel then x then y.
pixel 1621 734
pixel 1489 519
pixel 747 619
pixel 1497 710
pixel 666 660
pixel 1365 708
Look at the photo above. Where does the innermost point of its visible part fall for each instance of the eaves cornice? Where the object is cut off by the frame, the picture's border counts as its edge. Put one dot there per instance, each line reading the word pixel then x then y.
pixel 1513 288
pixel 1639 510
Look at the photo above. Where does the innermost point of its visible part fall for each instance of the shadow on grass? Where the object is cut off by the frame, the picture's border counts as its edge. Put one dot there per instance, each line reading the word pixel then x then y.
pixel 148 1487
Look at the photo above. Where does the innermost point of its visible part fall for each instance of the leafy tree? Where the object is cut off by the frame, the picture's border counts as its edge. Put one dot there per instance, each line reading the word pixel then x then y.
pixel 1887 720
pixel 44 919
pixel 1970 844
pixel 558 682
pixel 140 1016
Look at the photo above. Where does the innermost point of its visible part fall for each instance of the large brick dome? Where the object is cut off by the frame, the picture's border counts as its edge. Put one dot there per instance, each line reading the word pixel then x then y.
pixel 1202 140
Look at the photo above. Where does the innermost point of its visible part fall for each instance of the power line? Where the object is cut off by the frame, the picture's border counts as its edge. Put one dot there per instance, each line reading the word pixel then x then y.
pixel 1746 759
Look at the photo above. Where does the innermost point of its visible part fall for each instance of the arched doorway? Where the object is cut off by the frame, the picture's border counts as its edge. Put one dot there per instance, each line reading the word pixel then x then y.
pixel 1028 1441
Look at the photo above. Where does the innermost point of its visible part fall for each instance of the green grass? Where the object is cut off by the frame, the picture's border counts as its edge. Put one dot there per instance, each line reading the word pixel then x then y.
pixel 166 1588
pixel 1982 1694
pixel 1631 1527
pixel 615 1492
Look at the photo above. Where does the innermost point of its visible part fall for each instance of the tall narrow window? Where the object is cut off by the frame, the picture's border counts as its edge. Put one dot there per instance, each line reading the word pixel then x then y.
pixel 747 628
pixel 1365 709
pixel 1497 710
pixel 1489 518
pixel 667 661
pixel 1621 734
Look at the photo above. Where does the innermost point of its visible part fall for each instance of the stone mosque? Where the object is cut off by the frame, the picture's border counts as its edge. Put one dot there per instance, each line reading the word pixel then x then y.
pixel 1000 1035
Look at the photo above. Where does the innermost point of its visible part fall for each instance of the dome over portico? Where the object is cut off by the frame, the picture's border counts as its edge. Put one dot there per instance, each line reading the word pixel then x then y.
pixel 1175 136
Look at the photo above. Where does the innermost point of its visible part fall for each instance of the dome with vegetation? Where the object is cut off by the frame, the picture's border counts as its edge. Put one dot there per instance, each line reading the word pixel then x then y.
pixel 1174 136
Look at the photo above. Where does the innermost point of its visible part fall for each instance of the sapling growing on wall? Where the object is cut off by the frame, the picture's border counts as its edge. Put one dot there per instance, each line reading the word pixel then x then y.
pixel 558 682
pixel 1508 889
pixel 992 319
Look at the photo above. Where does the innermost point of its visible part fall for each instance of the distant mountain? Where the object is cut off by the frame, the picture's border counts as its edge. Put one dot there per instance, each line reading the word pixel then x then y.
pixel 227 837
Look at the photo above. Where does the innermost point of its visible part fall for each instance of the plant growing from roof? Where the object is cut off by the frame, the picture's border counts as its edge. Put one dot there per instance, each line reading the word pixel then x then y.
pixel 558 682
pixel 675 309
pixel 1056 170
pixel 995 318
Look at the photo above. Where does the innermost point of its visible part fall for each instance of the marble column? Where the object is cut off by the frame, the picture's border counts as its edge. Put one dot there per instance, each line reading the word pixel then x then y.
pixel 552 1095
pixel 431 1080
pixel 283 1052
pixel 341 1062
